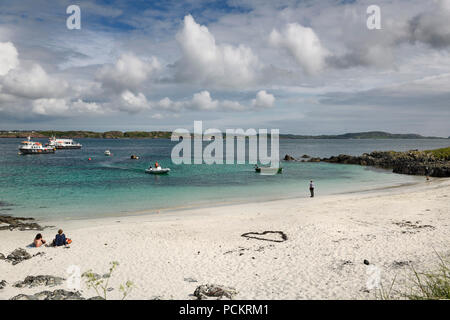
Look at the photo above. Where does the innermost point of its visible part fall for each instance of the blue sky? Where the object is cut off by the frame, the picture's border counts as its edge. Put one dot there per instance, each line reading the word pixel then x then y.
pixel 305 67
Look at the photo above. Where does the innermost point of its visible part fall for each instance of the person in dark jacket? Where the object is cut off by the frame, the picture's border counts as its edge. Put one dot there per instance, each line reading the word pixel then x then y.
pixel 311 188
pixel 60 239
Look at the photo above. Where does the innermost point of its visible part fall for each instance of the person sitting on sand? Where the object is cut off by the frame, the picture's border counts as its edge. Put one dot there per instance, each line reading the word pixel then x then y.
pixel 38 240
pixel 60 239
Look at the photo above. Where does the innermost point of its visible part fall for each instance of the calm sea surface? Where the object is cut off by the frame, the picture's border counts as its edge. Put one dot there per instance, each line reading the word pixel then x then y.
pixel 67 185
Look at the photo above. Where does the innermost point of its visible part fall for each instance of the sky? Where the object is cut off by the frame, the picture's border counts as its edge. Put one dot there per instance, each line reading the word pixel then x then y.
pixel 303 67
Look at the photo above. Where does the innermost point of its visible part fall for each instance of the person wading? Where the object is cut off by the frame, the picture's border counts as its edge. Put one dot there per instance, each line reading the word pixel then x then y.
pixel 311 188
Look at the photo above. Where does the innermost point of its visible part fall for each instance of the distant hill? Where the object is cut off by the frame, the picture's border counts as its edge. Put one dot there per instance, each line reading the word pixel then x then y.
pixel 167 134
pixel 88 134
pixel 362 135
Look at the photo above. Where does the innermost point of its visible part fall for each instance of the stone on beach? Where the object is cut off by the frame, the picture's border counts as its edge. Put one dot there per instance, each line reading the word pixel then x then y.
pixel 41 280
pixel 18 256
pixel 59 294
pixel 217 291
pixel 2 284
pixel 13 223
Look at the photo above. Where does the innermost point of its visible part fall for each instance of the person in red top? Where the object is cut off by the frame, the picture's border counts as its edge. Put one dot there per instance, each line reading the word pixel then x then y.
pixel 156 164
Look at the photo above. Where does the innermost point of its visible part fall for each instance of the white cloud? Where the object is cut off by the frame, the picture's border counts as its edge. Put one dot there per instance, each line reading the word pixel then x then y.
pixel 128 72
pixel 8 57
pixel 203 101
pixel 303 44
pixel 33 83
pixel 133 103
pixel 200 101
pixel 263 100
pixel 50 107
pixel 206 62
pixel 81 106
pixel 61 107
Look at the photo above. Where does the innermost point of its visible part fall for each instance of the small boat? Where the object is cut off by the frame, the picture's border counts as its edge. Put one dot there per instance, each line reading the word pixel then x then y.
pixel 158 170
pixel 63 143
pixel 107 153
pixel 268 170
pixel 31 147
pixel 134 157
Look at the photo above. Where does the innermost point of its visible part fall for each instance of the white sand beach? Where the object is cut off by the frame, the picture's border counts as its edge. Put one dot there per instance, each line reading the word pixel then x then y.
pixel 167 255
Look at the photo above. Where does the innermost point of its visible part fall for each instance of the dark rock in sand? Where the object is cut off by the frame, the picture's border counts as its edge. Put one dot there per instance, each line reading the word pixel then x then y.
pixel 18 255
pixel 2 284
pixel 366 262
pixel 19 223
pixel 314 160
pixel 96 298
pixel 400 264
pixel 288 158
pixel 216 291
pixel 2 256
pixel 305 156
pixel 51 295
pixel 41 280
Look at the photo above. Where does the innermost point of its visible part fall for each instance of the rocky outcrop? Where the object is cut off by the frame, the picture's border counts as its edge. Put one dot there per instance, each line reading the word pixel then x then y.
pixel 19 223
pixel 18 256
pixel 2 284
pixel 216 291
pixel 41 280
pixel 411 162
pixel 288 158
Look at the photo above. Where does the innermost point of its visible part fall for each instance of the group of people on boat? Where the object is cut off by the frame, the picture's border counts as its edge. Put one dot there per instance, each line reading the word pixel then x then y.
pixel 60 240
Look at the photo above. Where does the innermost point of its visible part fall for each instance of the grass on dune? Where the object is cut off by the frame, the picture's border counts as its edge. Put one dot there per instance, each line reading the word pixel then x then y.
pixel 431 285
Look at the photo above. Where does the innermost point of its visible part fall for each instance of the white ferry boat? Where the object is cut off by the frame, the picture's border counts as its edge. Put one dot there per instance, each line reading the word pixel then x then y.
pixel 31 147
pixel 63 143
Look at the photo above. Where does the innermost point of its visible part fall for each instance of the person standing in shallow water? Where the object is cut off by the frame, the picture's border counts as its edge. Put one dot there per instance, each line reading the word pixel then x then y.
pixel 311 188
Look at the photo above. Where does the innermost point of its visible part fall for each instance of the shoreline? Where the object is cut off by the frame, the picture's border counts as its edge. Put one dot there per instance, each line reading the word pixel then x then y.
pixel 327 240
pixel 215 204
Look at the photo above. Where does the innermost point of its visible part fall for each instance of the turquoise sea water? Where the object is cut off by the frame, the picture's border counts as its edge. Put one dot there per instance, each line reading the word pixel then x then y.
pixel 67 185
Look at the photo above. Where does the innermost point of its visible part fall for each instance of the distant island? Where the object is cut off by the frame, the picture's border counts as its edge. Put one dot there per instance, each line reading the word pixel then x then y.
pixel 362 135
pixel 167 135
pixel 87 134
